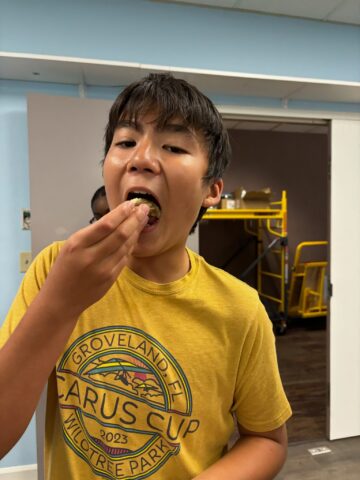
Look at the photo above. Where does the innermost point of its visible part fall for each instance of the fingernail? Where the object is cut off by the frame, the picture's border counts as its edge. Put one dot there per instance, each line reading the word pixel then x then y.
pixel 143 211
pixel 128 206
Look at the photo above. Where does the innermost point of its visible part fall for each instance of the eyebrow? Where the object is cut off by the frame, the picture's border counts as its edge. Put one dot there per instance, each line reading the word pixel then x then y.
pixel 167 128
pixel 127 124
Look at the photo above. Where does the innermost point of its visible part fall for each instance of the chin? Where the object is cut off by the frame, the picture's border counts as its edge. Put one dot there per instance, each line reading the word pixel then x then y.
pixel 144 251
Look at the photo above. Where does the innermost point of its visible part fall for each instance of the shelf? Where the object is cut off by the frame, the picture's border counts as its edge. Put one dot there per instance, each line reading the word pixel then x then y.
pixel 242 214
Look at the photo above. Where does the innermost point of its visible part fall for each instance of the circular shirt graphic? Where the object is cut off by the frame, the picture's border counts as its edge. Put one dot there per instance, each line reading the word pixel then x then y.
pixel 125 402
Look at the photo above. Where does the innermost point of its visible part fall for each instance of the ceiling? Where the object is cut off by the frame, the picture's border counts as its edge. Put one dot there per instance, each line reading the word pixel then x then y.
pixel 339 11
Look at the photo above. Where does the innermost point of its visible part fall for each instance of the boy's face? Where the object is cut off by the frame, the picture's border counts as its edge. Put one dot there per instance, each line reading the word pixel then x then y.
pixel 169 164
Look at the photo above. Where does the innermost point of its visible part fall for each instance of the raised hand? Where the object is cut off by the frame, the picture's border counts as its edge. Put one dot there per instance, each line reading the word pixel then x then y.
pixel 92 258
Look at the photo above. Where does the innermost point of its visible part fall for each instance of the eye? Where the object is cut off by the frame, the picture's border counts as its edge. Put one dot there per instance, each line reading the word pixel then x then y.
pixel 173 149
pixel 126 143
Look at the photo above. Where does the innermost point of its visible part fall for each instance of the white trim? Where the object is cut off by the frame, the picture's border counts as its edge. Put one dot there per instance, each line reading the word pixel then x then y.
pixel 58 58
pixel 234 111
pixel 197 71
pixel 18 469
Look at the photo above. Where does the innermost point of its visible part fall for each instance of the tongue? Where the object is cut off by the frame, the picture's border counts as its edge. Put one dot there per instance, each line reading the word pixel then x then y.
pixel 152 220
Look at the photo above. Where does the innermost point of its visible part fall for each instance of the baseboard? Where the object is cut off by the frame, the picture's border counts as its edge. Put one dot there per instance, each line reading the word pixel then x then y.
pixel 23 472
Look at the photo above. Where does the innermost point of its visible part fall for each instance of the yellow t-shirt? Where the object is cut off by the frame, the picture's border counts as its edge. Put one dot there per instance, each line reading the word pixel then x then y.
pixel 151 374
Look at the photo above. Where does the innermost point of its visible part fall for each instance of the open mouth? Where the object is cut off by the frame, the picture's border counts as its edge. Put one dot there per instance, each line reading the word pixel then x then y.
pixel 143 197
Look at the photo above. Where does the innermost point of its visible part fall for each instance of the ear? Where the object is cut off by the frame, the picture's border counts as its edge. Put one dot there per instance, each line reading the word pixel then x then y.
pixel 213 196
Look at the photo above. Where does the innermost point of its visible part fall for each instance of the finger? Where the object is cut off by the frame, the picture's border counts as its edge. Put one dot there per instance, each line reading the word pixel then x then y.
pixel 123 239
pixel 109 268
pixel 127 248
pixel 118 262
pixel 104 227
pixel 135 222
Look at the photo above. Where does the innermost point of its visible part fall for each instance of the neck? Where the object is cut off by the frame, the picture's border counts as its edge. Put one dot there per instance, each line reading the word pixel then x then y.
pixel 163 268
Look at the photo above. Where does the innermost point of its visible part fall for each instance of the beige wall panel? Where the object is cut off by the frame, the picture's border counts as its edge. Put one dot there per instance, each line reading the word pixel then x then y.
pixel 65 148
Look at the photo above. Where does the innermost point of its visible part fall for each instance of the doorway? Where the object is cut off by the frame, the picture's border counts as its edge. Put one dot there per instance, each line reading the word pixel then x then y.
pixel 290 155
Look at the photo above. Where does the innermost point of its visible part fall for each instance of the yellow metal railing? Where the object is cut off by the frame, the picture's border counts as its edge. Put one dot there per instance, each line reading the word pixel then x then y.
pixel 267 224
pixel 268 228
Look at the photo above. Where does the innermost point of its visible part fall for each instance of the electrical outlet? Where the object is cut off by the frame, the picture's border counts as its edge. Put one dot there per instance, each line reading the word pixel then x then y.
pixel 25 260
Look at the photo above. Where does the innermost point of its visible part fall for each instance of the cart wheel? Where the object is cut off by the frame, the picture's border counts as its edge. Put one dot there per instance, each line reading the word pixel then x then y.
pixel 280 328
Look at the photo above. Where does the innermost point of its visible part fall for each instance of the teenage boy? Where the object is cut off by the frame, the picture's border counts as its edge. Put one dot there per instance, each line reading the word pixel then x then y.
pixel 154 350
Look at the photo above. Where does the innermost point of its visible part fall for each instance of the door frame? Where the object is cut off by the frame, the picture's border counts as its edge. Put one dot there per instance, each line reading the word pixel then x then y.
pixel 343 417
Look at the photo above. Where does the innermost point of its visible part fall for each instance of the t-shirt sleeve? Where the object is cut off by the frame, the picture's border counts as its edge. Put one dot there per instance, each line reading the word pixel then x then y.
pixel 29 288
pixel 260 402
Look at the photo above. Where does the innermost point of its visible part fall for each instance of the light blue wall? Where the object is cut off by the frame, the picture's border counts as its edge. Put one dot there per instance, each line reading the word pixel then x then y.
pixel 181 35
pixel 14 180
pixel 148 32
pixel 14 196
pixel 14 192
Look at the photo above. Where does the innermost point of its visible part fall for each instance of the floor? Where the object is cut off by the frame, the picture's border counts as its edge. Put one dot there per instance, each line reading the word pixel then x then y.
pixel 302 363
pixel 342 463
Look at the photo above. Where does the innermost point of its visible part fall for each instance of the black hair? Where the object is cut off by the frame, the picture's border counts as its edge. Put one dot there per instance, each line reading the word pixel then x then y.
pixel 172 98
pixel 100 192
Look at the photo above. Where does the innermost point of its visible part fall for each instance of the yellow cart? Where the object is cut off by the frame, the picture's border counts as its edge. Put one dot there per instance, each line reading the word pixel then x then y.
pixel 307 286
pixel 269 225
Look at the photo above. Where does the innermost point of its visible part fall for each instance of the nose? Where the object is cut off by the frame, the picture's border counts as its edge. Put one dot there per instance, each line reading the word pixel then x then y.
pixel 144 158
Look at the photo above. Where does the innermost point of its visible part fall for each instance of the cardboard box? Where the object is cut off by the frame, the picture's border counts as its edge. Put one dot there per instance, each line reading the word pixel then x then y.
pixel 228 203
pixel 251 200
